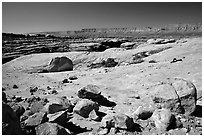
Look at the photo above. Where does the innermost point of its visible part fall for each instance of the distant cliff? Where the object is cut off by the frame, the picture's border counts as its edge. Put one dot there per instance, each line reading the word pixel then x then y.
pixel 172 28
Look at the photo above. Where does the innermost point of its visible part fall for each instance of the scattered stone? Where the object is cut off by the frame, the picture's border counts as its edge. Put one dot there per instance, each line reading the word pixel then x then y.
pixel 175 60
pixel 51 129
pixel 66 81
pixel 49 88
pixel 152 61
pixel 33 90
pixel 59 64
pixel 117 120
pixel 143 113
pixel 18 99
pixel 84 107
pixel 10 122
pixel 180 98
pixel 15 86
pixel 89 92
pixel 163 119
pixel 73 77
pixel 33 99
pixel 36 119
pixel 53 92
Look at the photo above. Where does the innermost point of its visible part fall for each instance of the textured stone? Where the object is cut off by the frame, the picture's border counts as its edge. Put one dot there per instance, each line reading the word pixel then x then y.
pixel 163 119
pixel 51 129
pixel 84 107
pixel 58 64
pixel 180 98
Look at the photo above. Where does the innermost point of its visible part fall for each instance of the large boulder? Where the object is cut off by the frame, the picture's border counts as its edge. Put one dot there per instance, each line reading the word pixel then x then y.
pixel 117 120
pixel 51 129
pixel 163 119
pixel 84 107
pixel 58 64
pixel 177 94
pixel 10 122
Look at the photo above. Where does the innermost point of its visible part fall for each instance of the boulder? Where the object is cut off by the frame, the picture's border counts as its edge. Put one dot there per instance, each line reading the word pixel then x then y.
pixel 73 77
pixel 10 122
pixel 84 107
pixel 36 119
pixel 58 104
pixel 51 129
pixel 117 120
pixel 180 98
pixel 163 119
pixel 59 64
pixel 143 113
pixel 89 92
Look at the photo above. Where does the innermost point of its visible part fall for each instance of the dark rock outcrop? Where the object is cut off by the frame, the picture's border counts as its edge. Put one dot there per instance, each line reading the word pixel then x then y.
pixel 10 122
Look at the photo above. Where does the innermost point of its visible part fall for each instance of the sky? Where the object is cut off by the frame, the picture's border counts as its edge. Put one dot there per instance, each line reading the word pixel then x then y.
pixel 22 17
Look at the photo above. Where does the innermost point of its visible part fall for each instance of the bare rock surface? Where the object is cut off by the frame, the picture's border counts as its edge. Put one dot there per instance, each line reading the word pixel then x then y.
pixel 126 86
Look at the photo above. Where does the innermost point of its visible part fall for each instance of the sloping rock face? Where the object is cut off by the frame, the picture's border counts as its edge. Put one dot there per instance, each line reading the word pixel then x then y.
pixel 10 122
pixel 178 95
pixel 60 64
